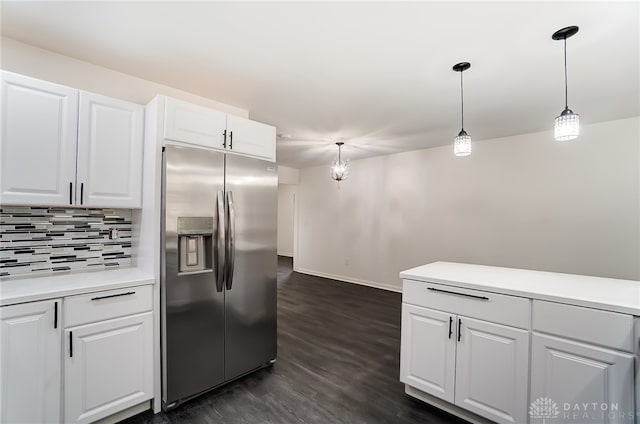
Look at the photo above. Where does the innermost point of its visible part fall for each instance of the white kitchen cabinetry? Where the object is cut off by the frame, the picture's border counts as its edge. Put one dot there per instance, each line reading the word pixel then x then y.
pixel 30 344
pixel 428 357
pixel 565 346
pixel 492 370
pixel 194 124
pixel 585 359
pixel 109 168
pixel 475 364
pixel 573 374
pixel 251 137
pixel 38 145
pixel 108 364
pixel 64 147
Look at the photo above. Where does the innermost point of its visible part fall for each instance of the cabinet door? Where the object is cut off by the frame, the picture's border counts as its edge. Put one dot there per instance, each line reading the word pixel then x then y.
pixel 108 367
pixel 492 370
pixel 428 351
pixel 38 147
pixel 194 124
pixel 110 140
pixel 251 138
pixel 582 380
pixel 30 347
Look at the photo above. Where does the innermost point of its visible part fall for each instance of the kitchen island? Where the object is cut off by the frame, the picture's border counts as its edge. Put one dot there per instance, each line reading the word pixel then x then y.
pixel 493 344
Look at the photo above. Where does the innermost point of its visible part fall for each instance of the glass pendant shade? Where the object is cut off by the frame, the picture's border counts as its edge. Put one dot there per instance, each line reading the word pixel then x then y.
pixel 567 126
pixel 339 168
pixel 462 144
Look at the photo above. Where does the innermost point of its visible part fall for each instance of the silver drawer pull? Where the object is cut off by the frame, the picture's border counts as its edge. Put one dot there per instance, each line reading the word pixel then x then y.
pixel 112 295
pixel 458 294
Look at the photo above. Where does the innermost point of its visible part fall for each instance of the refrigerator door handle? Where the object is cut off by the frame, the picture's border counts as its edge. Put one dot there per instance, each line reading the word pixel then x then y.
pixel 231 239
pixel 219 245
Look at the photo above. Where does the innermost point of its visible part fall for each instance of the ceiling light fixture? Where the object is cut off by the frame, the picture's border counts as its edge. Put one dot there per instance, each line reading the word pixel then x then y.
pixel 462 143
pixel 567 125
pixel 339 168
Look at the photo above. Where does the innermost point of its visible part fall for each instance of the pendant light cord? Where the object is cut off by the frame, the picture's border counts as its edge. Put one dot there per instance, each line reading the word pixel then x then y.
pixel 461 102
pixel 566 91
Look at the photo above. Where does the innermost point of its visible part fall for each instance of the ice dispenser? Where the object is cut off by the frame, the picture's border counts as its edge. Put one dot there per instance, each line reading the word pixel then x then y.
pixel 194 243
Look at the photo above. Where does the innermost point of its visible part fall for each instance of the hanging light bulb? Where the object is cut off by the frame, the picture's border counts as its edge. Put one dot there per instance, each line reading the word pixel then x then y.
pixel 567 125
pixel 462 143
pixel 339 168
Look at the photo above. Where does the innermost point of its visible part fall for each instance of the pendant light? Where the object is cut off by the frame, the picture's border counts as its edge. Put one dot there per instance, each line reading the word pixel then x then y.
pixel 462 143
pixel 567 125
pixel 339 168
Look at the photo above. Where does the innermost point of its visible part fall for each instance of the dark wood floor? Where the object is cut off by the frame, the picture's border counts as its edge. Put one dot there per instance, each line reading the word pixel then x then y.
pixel 338 362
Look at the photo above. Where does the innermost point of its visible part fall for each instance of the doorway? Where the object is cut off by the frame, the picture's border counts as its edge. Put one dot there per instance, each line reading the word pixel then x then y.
pixel 286 220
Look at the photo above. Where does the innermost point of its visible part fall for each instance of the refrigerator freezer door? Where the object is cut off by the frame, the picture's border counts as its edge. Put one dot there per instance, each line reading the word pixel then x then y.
pixel 192 307
pixel 251 320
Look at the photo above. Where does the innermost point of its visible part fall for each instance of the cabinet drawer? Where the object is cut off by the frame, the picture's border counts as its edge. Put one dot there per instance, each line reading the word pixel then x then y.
pixel 103 305
pixel 610 329
pixel 499 308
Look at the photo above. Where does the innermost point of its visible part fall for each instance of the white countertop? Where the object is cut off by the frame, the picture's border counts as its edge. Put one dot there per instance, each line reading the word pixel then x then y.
pixel 18 290
pixel 594 292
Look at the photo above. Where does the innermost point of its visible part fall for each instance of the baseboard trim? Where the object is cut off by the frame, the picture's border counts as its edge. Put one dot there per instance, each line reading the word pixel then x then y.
pixel 288 255
pixel 349 280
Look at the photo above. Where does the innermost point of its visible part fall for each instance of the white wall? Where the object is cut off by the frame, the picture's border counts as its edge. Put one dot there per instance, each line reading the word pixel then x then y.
pixel 286 216
pixel 49 66
pixel 523 201
pixel 288 175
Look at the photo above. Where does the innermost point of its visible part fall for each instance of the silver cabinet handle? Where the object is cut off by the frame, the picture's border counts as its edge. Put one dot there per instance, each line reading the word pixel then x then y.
pixel 231 242
pixel 219 244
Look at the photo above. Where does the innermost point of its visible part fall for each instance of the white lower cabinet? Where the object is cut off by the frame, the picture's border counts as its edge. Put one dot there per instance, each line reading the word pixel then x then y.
pixel 513 359
pixel 582 360
pixel 108 367
pixel 467 354
pixel 476 365
pixel 106 342
pixel 30 346
pixel 587 383
pixel 428 356
pixel 492 370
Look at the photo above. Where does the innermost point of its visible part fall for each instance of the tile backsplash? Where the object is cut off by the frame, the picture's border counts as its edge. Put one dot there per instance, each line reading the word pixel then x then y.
pixel 39 240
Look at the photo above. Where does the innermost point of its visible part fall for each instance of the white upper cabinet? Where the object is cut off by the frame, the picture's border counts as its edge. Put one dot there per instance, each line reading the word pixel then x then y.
pixel 194 124
pixel 110 134
pixel 251 137
pixel 38 146
pixel 30 366
pixel 56 153
pixel 201 126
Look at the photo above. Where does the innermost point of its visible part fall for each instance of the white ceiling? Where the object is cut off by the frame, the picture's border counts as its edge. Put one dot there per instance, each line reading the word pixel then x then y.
pixel 377 75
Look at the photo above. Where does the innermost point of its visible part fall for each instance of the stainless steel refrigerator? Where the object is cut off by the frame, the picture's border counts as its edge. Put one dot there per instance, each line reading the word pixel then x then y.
pixel 218 281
